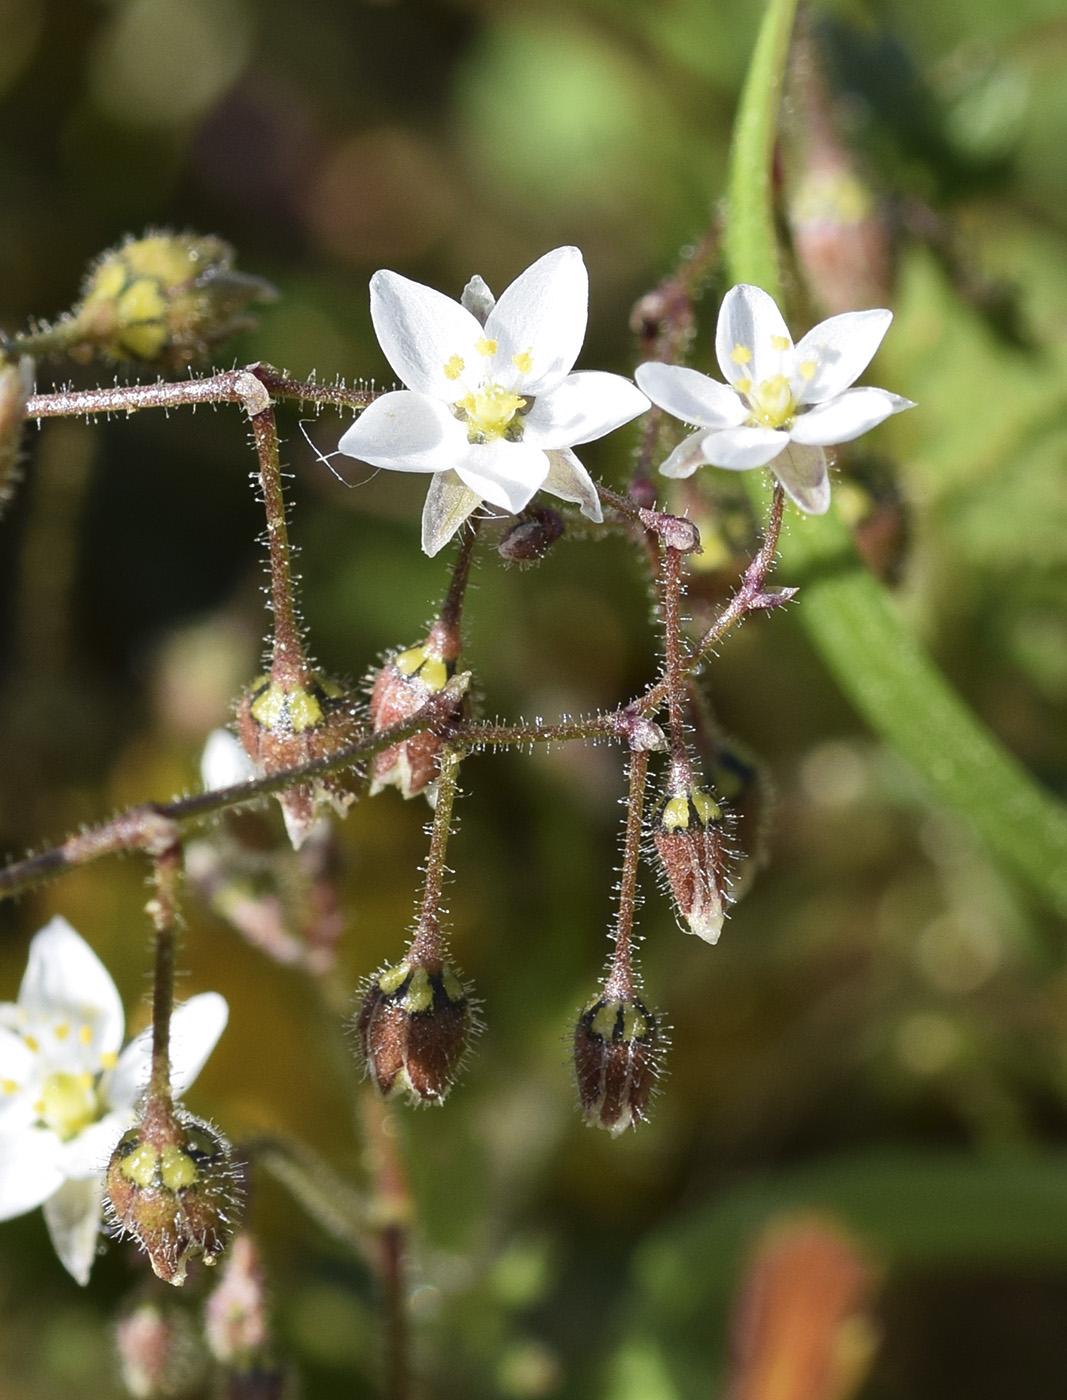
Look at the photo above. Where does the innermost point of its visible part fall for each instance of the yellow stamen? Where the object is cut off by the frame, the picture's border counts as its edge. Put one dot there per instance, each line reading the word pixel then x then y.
pixel 523 361
pixel 742 385
pixel 807 369
pixel 85 1034
pixel 31 1042
pixel 772 403
pixel 781 342
pixel 490 411
pixel 454 367
pixel 485 347
pixel 62 1030
pixel 8 1085
pixel 108 1059
pixel 741 355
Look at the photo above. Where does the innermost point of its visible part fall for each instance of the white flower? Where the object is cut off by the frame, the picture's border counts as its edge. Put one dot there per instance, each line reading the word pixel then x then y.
pixel 490 405
pixel 68 1091
pixel 782 403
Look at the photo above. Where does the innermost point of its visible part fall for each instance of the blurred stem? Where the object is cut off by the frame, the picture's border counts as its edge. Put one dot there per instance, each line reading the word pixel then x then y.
pixel 333 1203
pixel 393 1211
pixel 849 617
pixel 670 610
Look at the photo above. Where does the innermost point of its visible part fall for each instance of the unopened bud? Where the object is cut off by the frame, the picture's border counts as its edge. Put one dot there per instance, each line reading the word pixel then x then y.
pixel 284 726
pixel 401 688
pixel 688 831
pixel 166 298
pixel 159 1355
pixel 171 1184
pixel 532 535
pixel 235 1321
pixel 414 1028
pixel 618 1053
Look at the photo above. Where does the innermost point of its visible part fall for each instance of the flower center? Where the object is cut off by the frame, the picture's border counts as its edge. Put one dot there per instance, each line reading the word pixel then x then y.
pixel 68 1103
pixel 491 412
pixel 771 402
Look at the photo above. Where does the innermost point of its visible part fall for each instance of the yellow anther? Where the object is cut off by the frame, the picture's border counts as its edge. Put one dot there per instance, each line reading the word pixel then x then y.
pixel 485 347
pixel 108 1059
pixel 741 355
pixel 85 1034
pixel 742 385
pixel 62 1030
pixel 31 1042
pixel 523 361
pixel 8 1085
pixel 490 411
pixel 781 342
pixel 807 369
pixel 454 367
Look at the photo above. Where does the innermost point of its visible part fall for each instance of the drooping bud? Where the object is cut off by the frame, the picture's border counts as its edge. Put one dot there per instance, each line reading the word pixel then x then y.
pixel 167 299
pixel 414 1028
pixel 235 1320
pixel 688 830
pixel 618 1054
pixel 406 682
pixel 171 1183
pixel 159 1354
pixel 285 725
pixel 531 536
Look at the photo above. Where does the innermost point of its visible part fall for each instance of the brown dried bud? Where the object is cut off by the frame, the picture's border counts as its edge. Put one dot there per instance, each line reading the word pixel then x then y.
pixel 532 535
pixel 283 726
pixel 159 1354
pixel 414 1028
pixel 168 299
pixel 688 831
pixel 171 1184
pixel 406 682
pixel 618 1054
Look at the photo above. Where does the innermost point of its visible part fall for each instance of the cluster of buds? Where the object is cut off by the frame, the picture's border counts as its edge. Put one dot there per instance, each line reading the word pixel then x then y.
pixel 171 1183
pixel 415 1024
pixel 167 299
pixel 407 682
pixel 695 855
pixel 283 725
pixel 618 1052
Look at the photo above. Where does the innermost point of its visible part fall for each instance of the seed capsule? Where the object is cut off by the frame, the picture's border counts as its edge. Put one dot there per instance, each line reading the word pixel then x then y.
pixel 688 831
pixel 171 1184
pixel 618 1052
pixel 414 1028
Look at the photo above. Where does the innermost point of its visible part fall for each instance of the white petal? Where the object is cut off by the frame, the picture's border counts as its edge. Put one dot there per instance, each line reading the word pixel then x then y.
pixel 742 448
pixel 505 474
pixel 224 762
pixel 582 408
pixel 194 1031
pixel 840 349
pixel 686 457
pixel 406 432
pixel 17 1061
pixel 543 313
pixel 570 481
pixel 691 396
pixel 750 319
pixel 846 417
pixel 64 977
pixel 420 330
pixel 448 504
pixel 802 471
pixel 30 1170
pixel 88 1154
pixel 72 1215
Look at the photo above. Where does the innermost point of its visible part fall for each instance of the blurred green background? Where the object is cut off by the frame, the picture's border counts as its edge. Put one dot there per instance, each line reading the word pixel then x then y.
pixel 882 1029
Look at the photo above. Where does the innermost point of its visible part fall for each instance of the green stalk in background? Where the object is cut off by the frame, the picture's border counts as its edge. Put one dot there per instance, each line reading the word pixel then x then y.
pixel 849 617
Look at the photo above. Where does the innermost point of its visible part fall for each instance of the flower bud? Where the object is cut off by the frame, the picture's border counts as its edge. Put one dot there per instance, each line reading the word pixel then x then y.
pixel 618 1052
pixel 414 1027
pixel 284 726
pixel 690 840
pixel 235 1321
pixel 403 685
pixel 171 1184
pixel 531 536
pixel 168 299
pixel 159 1355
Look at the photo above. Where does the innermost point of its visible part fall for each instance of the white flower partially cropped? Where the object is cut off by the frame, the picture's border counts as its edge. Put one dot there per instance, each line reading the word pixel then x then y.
pixel 782 403
pixel 68 1091
pixel 490 404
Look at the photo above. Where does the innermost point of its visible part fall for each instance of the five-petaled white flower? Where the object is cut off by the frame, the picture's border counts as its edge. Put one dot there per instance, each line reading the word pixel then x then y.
pixel 782 403
pixel 68 1091
pixel 490 405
